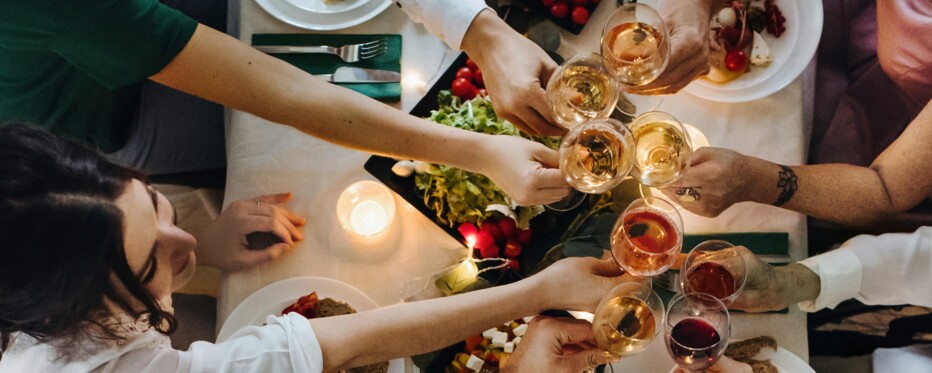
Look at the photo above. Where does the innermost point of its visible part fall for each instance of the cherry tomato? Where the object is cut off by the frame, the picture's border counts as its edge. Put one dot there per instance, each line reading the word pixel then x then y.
pixel 463 88
pixel 482 92
pixel 580 2
pixel 472 64
pixel 560 9
pixel 477 77
pixel 490 251
pixel 465 73
pixel 736 60
pixel 512 248
pixel 580 15
pixel 548 3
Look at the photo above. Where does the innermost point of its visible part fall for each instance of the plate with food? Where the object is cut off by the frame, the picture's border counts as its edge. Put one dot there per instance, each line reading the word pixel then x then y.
pixel 757 47
pixel 309 296
pixel 765 356
pixel 324 15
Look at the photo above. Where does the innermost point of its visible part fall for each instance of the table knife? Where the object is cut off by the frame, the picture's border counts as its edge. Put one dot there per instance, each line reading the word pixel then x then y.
pixel 348 74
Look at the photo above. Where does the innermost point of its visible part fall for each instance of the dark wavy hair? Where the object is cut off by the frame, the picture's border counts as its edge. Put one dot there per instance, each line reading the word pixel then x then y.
pixel 61 240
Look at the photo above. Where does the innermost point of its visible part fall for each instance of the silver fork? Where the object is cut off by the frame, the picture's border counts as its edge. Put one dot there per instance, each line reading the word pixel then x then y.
pixel 349 53
pixel 670 280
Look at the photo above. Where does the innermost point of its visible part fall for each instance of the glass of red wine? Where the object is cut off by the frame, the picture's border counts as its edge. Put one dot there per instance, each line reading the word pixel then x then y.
pixel 697 330
pixel 647 237
pixel 714 268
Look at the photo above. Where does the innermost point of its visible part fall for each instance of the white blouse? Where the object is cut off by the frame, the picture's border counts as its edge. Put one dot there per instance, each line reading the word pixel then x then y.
pixel 889 269
pixel 448 19
pixel 285 344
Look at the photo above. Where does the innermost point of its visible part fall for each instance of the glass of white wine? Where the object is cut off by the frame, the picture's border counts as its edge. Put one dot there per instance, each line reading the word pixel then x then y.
pixel 636 49
pixel 662 149
pixel 582 89
pixel 628 319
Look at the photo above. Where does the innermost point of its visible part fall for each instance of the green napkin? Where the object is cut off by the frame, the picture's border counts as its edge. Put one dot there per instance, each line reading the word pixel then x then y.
pixel 761 243
pixel 327 63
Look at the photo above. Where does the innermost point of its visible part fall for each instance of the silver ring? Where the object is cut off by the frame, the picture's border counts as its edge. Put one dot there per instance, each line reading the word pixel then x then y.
pixel 687 194
pixel 259 204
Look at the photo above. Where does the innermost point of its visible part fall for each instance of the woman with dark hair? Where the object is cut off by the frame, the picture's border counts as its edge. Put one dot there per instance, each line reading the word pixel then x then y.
pixel 89 256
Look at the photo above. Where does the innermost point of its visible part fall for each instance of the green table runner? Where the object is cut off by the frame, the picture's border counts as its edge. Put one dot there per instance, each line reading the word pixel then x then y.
pixel 327 63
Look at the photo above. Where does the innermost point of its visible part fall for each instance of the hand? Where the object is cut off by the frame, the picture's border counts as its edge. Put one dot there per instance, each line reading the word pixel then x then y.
pixel 771 288
pixel 224 245
pixel 688 24
pixel 557 345
pixel 579 284
pixel 526 171
pixel 725 365
pixel 515 71
pixel 719 176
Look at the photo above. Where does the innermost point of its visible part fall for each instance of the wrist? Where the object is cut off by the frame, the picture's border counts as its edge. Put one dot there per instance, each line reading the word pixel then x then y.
pixel 797 283
pixel 485 31
pixel 761 179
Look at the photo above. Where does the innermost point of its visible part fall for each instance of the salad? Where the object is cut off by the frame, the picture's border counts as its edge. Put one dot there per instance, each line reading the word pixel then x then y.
pixel 737 43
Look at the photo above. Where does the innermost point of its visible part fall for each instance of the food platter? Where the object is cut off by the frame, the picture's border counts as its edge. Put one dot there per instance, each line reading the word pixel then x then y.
pixel 314 15
pixel 272 299
pixel 792 53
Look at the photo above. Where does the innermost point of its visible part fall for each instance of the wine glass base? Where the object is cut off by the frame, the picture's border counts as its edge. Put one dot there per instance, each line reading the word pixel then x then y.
pixel 631 105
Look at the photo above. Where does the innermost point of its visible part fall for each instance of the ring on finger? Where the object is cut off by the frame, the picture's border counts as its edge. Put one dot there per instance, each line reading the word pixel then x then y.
pixel 687 194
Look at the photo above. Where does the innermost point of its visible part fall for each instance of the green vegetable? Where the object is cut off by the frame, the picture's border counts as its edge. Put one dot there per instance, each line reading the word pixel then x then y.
pixel 455 195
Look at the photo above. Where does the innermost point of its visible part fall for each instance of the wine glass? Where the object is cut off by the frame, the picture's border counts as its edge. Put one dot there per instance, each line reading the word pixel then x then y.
pixel 662 149
pixel 580 90
pixel 595 156
pixel 627 319
pixel 636 48
pixel 647 237
pixel 697 330
pixel 713 268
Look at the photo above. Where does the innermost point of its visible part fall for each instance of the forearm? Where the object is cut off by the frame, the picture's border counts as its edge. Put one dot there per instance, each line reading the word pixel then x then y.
pixel 242 78
pixel 484 33
pixel 419 327
pixel 821 191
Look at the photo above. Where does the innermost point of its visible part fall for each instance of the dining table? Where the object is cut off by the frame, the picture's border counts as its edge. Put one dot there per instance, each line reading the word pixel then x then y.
pixel 264 157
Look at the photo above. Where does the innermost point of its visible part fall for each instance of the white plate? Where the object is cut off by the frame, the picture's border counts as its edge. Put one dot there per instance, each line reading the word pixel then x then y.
pixel 321 6
pixel 294 12
pixel 272 299
pixel 785 362
pixel 792 53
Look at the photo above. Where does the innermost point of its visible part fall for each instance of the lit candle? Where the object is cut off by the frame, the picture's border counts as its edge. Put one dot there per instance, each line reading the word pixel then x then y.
pixel 461 276
pixel 366 208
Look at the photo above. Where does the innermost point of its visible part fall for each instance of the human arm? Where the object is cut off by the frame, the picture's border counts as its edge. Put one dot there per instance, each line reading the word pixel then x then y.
pixel 514 69
pixel 223 243
pixel 219 68
pixel 886 269
pixel 557 345
pixel 897 180
pixel 574 284
pixel 688 24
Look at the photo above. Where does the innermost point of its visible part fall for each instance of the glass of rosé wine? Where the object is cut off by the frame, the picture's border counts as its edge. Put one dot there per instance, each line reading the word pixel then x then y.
pixel 647 237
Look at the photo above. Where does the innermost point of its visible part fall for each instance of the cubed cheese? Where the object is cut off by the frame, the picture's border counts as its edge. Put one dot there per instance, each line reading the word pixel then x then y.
pixel 528 319
pixel 520 330
pixel 760 52
pixel 488 334
pixel 516 341
pixel 499 339
pixel 510 347
pixel 475 363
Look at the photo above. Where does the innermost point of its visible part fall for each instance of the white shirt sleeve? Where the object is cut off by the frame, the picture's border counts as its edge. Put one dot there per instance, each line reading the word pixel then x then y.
pixel 889 269
pixel 448 19
pixel 284 344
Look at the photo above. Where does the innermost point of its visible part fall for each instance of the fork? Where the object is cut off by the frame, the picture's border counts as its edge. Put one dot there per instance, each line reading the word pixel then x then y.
pixel 349 53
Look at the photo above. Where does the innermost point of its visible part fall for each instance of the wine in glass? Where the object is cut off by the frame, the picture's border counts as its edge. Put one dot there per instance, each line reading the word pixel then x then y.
pixel 647 237
pixel 662 149
pixel 636 48
pixel 595 156
pixel 581 89
pixel 697 330
pixel 715 268
pixel 627 319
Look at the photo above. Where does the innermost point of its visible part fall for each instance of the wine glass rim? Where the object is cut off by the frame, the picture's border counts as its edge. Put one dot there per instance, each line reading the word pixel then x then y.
pixel 690 262
pixel 672 219
pixel 574 60
pixel 650 298
pixel 708 297
pixel 665 31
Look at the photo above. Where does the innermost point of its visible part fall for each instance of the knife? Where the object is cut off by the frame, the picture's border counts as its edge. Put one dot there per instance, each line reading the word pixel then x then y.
pixel 348 74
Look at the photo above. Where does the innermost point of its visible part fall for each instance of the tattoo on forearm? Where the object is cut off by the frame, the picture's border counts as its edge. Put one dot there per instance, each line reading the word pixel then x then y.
pixel 789 183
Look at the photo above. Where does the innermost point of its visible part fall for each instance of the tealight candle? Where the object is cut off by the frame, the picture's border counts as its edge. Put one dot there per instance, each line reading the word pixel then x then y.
pixel 366 208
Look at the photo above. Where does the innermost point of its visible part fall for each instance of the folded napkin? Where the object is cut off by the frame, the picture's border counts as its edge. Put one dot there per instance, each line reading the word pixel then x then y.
pixel 327 64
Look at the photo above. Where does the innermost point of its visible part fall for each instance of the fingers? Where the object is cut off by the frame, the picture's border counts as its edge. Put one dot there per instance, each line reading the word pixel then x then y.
pixel 607 268
pixel 268 224
pixel 572 331
pixel 250 258
pixel 274 198
pixel 588 359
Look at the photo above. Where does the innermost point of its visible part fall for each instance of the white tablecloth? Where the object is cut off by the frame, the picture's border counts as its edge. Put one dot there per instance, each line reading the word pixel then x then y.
pixel 264 158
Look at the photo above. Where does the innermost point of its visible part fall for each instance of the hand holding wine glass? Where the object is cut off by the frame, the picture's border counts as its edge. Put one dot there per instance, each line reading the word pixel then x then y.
pixel 698 328
pixel 647 237
pixel 628 319
pixel 636 48
pixel 715 268
pixel 662 151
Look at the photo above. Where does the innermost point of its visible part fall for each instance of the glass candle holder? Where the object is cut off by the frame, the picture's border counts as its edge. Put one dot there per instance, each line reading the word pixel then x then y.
pixel 366 208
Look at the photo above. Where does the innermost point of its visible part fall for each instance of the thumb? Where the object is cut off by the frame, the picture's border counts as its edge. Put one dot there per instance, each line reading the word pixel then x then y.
pixel 548 157
pixel 588 359
pixel 274 198
pixel 607 268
